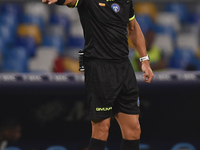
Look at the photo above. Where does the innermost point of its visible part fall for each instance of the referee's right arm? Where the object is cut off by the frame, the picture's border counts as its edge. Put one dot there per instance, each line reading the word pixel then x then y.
pixel 70 3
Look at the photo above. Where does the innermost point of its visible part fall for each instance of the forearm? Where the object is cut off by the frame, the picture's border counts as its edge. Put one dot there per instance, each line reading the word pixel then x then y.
pixel 138 41
pixel 137 38
pixel 70 3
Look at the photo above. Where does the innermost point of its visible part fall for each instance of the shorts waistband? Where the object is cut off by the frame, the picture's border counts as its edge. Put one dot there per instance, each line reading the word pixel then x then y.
pixel 106 60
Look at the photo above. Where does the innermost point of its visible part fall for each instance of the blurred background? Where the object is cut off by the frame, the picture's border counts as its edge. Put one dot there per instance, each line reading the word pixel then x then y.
pixel 42 97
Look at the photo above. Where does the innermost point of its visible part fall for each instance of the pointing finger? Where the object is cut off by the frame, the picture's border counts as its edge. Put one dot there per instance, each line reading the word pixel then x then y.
pixel 50 2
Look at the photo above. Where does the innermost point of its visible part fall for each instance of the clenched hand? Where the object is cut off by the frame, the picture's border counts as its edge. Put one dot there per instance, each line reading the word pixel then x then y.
pixel 148 73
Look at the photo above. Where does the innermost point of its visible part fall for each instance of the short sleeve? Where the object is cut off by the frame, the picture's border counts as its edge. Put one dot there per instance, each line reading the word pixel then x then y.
pixel 77 4
pixel 131 12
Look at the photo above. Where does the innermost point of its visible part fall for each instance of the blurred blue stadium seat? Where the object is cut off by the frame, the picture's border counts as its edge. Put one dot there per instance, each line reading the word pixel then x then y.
pixel 9 20
pixel 166 30
pixel 56 147
pixel 58 19
pixel 183 146
pixel 145 22
pixel 35 20
pixel 15 60
pixel 182 58
pixel 198 65
pixel 7 34
pixel 2 44
pixel 143 146
pixel 196 18
pixel 76 42
pixel 180 9
pixel 12 8
pixel 28 43
pixel 12 148
pixel 54 41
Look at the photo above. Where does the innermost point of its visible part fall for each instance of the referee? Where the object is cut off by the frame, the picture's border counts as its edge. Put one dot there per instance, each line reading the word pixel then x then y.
pixel 111 86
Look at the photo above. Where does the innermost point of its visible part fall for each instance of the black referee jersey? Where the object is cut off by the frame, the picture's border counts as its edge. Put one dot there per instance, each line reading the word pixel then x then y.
pixel 104 25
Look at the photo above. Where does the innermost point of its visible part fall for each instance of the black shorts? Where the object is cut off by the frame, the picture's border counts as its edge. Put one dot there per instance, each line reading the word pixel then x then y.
pixel 111 87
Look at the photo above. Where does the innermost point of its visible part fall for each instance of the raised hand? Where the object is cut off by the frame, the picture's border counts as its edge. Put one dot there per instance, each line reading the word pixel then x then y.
pixel 49 1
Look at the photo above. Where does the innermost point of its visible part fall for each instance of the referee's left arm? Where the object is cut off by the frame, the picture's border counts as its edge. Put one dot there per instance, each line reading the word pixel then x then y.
pixel 137 38
pixel 70 3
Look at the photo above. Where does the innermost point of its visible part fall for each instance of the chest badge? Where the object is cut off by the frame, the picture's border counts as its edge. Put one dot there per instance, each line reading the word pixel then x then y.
pixel 115 7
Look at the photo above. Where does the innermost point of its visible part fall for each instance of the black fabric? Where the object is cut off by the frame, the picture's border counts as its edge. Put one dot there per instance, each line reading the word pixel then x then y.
pixel 111 87
pixel 104 24
pixel 131 11
pixel 60 2
pixel 130 144
pixel 96 144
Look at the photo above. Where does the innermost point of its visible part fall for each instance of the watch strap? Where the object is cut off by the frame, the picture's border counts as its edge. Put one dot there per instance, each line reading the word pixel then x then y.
pixel 144 58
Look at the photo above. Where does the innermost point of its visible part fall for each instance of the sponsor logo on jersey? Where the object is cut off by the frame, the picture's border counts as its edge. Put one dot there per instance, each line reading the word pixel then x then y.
pixel 103 109
pixel 115 7
pixel 138 102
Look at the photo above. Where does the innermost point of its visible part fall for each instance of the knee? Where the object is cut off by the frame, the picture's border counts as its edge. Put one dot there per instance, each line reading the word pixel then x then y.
pixel 100 130
pixel 132 133
pixel 102 127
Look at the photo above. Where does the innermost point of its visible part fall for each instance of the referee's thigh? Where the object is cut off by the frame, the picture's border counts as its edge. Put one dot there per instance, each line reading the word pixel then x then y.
pixel 130 126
